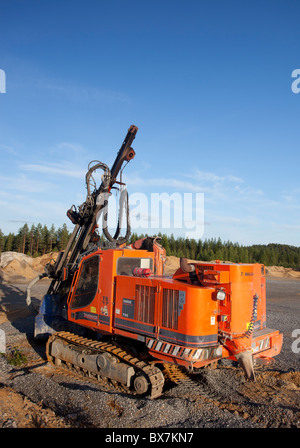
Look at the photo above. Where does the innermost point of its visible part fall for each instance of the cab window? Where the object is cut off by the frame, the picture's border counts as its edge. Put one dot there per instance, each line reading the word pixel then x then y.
pixel 126 265
pixel 87 284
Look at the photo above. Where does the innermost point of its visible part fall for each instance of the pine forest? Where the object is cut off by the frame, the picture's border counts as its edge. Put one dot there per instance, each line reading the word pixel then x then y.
pixel 39 239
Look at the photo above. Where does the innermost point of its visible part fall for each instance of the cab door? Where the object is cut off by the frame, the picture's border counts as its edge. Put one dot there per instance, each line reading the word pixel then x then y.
pixel 81 308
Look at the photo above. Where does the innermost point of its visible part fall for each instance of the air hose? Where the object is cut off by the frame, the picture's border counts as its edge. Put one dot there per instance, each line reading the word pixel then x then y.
pixel 250 329
pixel 253 317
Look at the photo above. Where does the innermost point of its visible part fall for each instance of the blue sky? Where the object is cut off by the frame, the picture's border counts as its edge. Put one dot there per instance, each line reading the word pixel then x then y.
pixel 207 83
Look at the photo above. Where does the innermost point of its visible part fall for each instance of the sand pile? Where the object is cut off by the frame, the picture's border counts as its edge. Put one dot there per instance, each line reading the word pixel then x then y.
pixel 16 267
pixel 280 271
pixel 39 263
pixel 7 257
pixel 172 264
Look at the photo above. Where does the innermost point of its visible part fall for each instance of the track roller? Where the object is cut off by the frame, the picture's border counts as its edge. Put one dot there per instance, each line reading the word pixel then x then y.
pixel 141 384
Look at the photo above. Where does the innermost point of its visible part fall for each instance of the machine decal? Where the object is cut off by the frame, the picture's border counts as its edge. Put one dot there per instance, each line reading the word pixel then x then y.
pixel 85 315
pixel 181 301
pixel 104 307
pixel 128 308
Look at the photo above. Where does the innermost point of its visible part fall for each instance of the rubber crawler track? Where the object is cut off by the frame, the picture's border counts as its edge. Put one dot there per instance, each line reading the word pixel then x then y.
pixel 153 373
pixel 174 374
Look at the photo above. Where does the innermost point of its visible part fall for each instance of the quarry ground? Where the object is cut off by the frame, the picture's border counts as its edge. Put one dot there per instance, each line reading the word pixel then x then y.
pixel 34 395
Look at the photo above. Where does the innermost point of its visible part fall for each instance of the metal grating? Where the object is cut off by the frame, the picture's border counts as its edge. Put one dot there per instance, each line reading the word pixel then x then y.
pixel 205 267
pixel 170 306
pixel 145 303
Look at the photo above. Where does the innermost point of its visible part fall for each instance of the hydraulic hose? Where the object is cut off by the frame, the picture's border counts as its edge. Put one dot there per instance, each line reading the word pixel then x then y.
pixel 28 298
pixel 116 239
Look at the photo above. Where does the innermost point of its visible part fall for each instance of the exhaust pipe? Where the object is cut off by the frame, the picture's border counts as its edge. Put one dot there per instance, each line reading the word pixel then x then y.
pixel 185 266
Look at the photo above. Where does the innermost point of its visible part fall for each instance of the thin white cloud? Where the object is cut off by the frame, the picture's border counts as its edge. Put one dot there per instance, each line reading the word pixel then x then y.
pixel 292 226
pixel 68 147
pixel 211 184
pixel 22 183
pixel 235 209
pixel 205 176
pixel 180 185
pixel 83 93
pixel 61 169
pixel 8 149
pixel 34 210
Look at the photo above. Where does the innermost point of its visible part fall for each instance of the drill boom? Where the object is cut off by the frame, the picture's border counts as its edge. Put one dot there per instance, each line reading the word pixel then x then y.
pixel 85 219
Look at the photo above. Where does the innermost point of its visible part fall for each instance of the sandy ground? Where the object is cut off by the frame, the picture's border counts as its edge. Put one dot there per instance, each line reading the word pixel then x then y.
pixel 34 396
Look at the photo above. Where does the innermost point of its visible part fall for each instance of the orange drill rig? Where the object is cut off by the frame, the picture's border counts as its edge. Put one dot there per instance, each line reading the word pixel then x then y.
pixel 140 319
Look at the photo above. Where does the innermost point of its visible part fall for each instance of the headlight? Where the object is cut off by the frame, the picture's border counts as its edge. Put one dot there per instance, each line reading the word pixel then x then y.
pixel 221 295
pixel 218 351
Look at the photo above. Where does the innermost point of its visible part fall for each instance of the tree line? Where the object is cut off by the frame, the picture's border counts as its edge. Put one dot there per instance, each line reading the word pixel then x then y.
pixel 216 249
pixel 36 240
pixel 39 239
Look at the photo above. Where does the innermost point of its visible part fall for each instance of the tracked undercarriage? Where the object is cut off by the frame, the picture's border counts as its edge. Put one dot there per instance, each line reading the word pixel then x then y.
pixel 105 360
pixel 112 366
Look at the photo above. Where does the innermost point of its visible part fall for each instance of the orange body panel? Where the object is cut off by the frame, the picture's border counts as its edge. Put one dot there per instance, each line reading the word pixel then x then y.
pixel 98 313
pixel 178 319
pixel 244 285
pixel 241 282
pixel 166 310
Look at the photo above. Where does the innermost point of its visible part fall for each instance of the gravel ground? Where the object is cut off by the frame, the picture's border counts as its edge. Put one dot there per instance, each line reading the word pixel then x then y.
pixel 40 396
